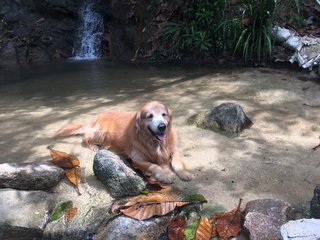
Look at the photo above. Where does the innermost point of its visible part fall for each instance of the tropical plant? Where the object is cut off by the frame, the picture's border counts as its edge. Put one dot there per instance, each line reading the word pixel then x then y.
pixel 255 41
pixel 204 27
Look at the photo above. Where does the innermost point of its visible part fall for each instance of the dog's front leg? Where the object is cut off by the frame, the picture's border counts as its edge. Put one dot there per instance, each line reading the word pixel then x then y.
pixel 151 169
pixel 179 167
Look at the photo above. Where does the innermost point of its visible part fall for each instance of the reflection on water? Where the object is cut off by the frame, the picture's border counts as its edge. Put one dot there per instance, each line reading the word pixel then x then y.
pixel 61 78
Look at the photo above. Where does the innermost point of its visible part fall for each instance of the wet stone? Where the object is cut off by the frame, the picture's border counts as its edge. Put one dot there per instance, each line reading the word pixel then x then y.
pixel 30 176
pixel 227 118
pixel 315 203
pixel 119 179
pixel 23 213
pixel 123 228
pixel 264 217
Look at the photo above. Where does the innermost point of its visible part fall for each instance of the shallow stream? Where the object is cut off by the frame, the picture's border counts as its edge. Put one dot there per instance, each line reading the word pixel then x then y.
pixel 271 159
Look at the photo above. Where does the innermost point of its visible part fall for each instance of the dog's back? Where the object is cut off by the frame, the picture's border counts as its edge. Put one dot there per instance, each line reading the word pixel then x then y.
pixel 111 130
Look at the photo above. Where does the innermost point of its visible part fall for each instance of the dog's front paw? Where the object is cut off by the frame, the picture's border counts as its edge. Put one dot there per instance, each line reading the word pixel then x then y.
pixel 164 177
pixel 184 175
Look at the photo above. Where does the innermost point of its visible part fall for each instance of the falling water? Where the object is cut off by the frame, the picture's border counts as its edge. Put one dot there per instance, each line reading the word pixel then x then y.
pixel 87 47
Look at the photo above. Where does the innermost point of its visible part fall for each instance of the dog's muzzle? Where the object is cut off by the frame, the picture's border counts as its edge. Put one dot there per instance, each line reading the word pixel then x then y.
pixel 162 127
pixel 158 130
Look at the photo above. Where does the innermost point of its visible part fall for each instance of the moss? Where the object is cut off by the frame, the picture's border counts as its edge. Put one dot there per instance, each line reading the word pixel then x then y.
pixel 201 121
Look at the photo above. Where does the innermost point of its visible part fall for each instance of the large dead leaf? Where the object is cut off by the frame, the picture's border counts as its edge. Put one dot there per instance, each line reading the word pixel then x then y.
pixel 74 176
pixel 71 213
pixel 154 204
pixel 62 159
pixel 176 228
pixel 229 224
pixel 205 230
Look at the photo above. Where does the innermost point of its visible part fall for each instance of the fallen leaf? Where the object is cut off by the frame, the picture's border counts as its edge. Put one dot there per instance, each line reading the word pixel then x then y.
pixel 60 210
pixel 154 204
pixel 62 159
pixel 229 224
pixel 205 230
pixel 191 229
pixel 70 213
pixel 154 185
pixel 196 198
pixel 74 176
pixel 176 228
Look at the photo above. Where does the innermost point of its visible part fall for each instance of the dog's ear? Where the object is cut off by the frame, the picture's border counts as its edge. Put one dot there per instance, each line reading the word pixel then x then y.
pixel 138 121
pixel 169 116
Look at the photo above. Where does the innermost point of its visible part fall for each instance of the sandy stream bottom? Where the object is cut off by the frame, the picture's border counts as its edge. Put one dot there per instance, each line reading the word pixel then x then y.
pixel 271 159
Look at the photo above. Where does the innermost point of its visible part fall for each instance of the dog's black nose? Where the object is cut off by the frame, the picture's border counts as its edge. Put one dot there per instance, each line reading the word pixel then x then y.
pixel 162 127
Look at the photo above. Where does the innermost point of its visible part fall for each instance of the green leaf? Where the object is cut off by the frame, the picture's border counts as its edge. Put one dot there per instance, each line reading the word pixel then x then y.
pixel 59 211
pixel 191 229
pixel 195 198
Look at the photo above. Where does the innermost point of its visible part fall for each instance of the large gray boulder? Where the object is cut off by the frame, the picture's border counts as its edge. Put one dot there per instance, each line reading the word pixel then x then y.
pixel 123 228
pixel 30 176
pixel 227 118
pixel 264 217
pixel 25 214
pixel 119 179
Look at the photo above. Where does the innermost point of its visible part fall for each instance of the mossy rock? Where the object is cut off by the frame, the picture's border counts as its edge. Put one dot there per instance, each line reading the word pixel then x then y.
pixel 228 119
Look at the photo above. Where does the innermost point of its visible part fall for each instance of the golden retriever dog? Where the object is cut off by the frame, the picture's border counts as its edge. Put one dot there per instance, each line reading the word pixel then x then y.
pixel 147 137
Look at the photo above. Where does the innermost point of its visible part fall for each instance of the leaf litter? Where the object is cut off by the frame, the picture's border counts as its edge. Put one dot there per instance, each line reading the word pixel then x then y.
pixel 69 163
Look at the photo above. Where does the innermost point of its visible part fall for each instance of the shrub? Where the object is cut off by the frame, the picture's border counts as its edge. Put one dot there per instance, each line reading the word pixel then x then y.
pixel 255 40
pixel 203 27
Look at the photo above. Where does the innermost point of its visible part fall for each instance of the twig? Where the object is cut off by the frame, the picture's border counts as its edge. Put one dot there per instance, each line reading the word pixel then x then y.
pixel 316 147
pixel 306 104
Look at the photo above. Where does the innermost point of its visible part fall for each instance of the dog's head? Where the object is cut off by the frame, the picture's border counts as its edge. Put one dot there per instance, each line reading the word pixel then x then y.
pixel 154 119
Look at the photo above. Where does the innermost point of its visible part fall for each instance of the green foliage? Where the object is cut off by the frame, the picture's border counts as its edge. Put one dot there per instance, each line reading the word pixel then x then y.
pixel 204 27
pixel 255 40
pixel 60 210
pixel 191 229
pixel 195 197
pixel 288 11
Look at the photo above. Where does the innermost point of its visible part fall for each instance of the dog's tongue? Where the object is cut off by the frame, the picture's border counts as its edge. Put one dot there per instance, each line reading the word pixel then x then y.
pixel 161 136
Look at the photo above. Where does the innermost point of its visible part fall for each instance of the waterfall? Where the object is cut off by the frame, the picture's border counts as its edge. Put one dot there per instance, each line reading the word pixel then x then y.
pixel 87 46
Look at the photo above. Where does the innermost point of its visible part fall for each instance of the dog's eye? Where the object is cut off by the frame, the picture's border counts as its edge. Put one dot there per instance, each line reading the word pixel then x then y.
pixel 164 114
pixel 150 115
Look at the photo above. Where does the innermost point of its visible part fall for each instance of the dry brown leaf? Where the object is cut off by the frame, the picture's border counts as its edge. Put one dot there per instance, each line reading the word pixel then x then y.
pixel 62 159
pixel 229 224
pixel 176 228
pixel 205 230
pixel 74 176
pixel 70 213
pixel 154 204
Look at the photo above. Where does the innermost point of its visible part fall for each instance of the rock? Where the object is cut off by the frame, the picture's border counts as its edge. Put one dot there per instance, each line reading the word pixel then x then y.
pixel 93 208
pixel 261 226
pixel 23 213
pixel 317 5
pixel 123 228
pixel 306 229
pixel 30 176
pixel 315 203
pixel 119 179
pixel 7 54
pixel 227 118
pixel 263 218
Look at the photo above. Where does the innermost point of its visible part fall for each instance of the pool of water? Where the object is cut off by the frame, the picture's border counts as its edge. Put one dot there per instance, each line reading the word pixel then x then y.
pixel 271 159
